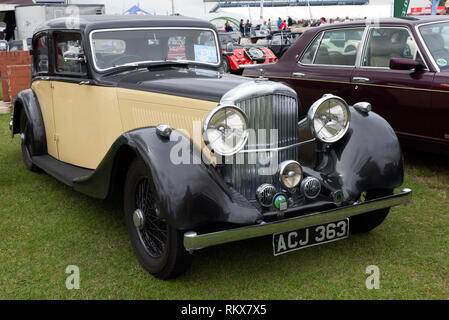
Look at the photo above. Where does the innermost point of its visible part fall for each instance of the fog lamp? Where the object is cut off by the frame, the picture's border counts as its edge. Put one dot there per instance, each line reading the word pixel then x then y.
pixel 290 174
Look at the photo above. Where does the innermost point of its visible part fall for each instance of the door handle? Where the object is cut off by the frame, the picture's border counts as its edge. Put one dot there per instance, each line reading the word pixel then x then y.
pixel 360 79
pixel 298 75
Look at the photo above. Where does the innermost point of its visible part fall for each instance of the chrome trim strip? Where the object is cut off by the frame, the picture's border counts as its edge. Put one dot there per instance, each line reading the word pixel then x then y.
pixel 194 241
pixel 249 66
pixel 280 148
pixel 217 43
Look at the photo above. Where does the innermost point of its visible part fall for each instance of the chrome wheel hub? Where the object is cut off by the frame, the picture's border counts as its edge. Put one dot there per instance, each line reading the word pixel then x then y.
pixel 139 219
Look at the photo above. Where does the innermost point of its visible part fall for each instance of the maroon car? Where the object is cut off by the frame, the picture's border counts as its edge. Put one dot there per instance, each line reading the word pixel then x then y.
pixel 400 66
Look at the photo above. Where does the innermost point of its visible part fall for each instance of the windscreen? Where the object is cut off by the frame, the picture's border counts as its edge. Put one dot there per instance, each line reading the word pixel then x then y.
pixel 114 48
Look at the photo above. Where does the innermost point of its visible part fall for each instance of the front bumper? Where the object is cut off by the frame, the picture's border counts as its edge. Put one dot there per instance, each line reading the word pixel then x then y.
pixel 192 240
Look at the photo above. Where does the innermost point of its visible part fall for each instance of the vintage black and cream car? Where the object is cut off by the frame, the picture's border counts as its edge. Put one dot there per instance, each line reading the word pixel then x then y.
pixel 140 108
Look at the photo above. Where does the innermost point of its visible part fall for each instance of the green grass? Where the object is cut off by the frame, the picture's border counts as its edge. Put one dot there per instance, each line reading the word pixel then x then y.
pixel 45 226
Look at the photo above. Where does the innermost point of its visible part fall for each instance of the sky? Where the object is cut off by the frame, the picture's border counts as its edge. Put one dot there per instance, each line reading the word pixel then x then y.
pixel 192 8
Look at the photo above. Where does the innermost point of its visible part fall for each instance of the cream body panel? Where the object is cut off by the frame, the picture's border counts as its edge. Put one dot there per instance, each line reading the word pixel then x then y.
pixel 88 119
pixel 143 109
pixel 87 122
pixel 43 91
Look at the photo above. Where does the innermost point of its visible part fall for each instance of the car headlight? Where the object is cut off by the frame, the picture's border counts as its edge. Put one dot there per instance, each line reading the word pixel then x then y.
pixel 329 118
pixel 225 130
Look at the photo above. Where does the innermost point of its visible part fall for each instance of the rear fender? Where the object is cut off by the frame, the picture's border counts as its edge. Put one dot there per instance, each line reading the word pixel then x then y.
pixel 27 102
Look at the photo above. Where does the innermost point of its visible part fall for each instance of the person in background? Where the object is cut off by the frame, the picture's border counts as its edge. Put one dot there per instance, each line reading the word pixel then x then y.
pixel 289 22
pixel 322 21
pixel 228 27
pixel 248 26
pixel 242 27
pixel 283 25
pixel 279 22
pixel 269 24
pixel 347 19
pixel 264 26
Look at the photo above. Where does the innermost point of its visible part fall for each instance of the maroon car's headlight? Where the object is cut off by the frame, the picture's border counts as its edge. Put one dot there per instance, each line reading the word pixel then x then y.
pixel 329 118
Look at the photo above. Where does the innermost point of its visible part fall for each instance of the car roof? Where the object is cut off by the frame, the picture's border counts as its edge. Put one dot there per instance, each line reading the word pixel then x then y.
pixel 92 22
pixel 408 21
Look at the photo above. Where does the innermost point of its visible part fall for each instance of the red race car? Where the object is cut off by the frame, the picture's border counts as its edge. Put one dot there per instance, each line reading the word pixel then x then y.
pixel 236 56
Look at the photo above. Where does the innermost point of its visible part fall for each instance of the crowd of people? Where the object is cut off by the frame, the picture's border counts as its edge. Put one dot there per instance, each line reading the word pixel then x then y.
pixel 285 24
pixel 281 24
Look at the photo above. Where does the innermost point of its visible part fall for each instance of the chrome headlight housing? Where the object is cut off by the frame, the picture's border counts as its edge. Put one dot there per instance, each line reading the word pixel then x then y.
pixel 329 118
pixel 225 130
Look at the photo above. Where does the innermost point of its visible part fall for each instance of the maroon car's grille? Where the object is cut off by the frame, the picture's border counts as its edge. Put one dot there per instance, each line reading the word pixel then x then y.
pixel 278 112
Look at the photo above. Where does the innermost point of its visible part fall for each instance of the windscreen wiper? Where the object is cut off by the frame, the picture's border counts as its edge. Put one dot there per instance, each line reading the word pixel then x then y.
pixel 150 65
pixel 167 64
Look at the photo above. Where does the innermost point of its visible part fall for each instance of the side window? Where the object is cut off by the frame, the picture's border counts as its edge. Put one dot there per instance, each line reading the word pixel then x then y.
pixel 387 43
pixel 41 54
pixel 69 53
pixel 337 47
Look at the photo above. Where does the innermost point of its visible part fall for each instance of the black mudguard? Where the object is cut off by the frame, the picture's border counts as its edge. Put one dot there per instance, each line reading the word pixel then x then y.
pixel 190 195
pixel 368 157
pixel 27 102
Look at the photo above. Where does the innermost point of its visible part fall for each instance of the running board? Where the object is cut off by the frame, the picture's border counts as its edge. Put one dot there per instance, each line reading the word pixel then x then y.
pixel 62 171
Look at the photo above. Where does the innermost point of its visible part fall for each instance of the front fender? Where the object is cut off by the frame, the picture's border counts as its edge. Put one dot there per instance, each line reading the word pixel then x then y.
pixel 190 194
pixel 27 102
pixel 368 157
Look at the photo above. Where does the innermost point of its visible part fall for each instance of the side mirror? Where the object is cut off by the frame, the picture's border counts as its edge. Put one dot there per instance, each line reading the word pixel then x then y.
pixel 229 48
pixel 405 64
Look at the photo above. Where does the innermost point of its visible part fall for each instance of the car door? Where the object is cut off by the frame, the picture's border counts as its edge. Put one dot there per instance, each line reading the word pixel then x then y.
pixel 80 108
pixel 436 38
pixel 41 86
pixel 402 97
pixel 326 65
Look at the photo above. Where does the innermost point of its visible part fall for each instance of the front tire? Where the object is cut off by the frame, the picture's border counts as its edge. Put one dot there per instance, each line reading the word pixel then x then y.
pixel 158 246
pixel 366 222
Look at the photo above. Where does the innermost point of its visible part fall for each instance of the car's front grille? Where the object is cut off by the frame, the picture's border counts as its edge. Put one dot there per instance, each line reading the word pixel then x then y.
pixel 269 112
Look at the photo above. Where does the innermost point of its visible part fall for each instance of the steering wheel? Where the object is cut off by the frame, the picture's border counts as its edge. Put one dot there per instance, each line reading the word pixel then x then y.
pixel 125 59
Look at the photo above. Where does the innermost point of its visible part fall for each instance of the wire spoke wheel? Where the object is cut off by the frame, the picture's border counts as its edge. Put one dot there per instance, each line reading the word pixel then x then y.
pixel 151 228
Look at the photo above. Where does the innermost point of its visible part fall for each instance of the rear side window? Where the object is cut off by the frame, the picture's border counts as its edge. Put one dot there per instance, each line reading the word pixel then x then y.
pixel 41 54
pixel 334 47
pixel 70 58
pixel 309 55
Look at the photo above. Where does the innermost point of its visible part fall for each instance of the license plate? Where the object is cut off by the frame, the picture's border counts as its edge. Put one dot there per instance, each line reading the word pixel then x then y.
pixel 311 236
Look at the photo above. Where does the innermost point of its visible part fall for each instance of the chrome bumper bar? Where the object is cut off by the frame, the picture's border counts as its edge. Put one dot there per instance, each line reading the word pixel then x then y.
pixel 192 240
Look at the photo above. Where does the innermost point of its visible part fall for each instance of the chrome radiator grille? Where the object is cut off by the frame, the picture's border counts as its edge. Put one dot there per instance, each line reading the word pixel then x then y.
pixel 268 112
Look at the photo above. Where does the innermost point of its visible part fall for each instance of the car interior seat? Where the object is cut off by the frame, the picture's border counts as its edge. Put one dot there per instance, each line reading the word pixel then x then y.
pixel 380 51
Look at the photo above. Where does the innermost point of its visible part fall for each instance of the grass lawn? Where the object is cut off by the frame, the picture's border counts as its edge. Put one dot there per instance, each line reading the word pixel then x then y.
pixel 45 226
